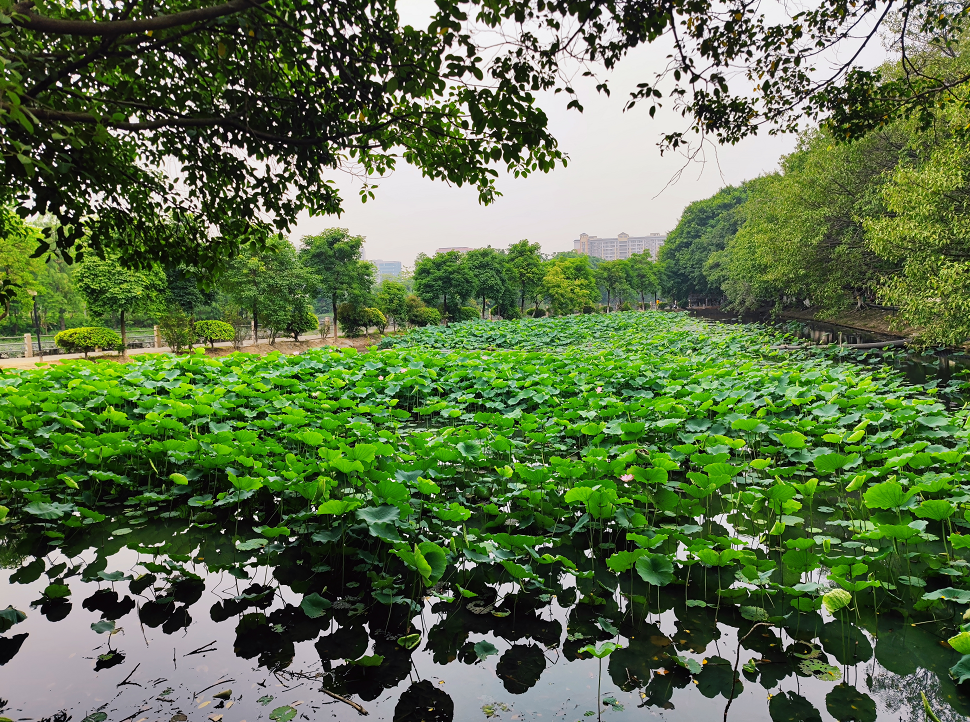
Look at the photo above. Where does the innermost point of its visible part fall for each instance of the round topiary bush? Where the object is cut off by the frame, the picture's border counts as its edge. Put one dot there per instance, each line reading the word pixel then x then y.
pixel 88 338
pixel 302 323
pixel 212 331
pixel 375 317
pixel 467 313
pixel 425 316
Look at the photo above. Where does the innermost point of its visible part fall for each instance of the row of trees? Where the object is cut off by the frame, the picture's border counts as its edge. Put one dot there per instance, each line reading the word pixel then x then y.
pixel 278 287
pixel 505 282
pixel 881 221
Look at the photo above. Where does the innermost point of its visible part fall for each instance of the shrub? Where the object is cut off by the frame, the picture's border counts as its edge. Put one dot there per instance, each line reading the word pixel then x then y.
pixel 467 313
pixel 88 338
pixel 351 318
pixel 589 308
pixel 176 329
pixel 241 324
pixel 625 306
pixel 302 323
pixel 213 331
pixel 425 316
pixel 375 317
pixel 535 312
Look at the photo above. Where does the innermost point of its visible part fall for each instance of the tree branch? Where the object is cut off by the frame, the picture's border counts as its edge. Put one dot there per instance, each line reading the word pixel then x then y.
pixel 22 17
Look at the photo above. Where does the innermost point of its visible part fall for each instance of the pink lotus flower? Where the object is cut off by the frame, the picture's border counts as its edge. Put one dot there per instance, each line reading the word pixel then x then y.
pixel 599 389
pixel 626 477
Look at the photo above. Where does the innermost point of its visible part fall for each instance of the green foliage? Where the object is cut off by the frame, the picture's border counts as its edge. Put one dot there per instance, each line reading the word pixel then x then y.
pixel 525 270
pixel 703 229
pixel 333 259
pixel 445 280
pixel 301 322
pixel 424 316
pixel 87 339
pixel 111 288
pixel 460 459
pixel 175 328
pixel 569 285
pixel 392 302
pixel 274 285
pixel 467 313
pixel 213 331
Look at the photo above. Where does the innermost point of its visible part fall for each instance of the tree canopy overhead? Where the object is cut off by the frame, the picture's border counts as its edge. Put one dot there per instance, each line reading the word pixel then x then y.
pixel 248 104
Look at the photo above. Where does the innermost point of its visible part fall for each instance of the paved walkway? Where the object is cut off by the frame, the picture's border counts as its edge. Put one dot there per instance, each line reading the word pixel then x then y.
pixel 247 346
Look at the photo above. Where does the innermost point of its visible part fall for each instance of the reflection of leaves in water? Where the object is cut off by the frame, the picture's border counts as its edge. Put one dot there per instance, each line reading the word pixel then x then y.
pixel 791 707
pixel 661 688
pixel 846 642
pixel 348 642
pixel 109 660
pixel 631 666
pixel 847 704
pixel 520 667
pixel 423 702
pixel 107 602
pixel 179 619
pixel 9 646
pixel 56 609
pixel 717 678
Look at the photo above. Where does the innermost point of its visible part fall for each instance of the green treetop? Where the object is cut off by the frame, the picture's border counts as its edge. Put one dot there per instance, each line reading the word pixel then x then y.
pixel 445 279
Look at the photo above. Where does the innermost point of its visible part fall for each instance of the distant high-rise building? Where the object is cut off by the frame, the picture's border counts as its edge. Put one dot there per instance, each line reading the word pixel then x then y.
pixel 623 246
pixel 388 268
pixel 460 249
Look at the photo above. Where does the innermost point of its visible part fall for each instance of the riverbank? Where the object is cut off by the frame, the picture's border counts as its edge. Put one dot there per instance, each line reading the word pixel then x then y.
pixel 263 348
pixel 874 321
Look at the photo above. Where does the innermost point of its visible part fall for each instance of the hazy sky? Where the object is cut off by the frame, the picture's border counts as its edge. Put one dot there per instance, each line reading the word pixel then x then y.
pixel 615 182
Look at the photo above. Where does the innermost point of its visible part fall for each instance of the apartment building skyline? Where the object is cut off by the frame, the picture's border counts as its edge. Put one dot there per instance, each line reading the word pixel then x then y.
pixel 622 246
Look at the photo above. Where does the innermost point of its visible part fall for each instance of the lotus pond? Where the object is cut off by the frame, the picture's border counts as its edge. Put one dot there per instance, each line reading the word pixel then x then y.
pixel 618 516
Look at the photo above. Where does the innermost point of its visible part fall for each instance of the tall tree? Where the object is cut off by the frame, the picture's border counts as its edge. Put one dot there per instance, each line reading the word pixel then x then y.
pixel 703 229
pixel 569 284
pixel 272 283
pixel 18 241
pixel 110 288
pixel 642 276
pixel 445 279
pixel 525 271
pixel 489 269
pixel 392 301
pixel 333 257
pixel 612 278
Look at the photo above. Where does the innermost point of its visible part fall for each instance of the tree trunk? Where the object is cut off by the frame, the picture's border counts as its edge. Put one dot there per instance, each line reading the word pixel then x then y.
pixel 333 303
pixel 483 307
pixel 255 326
pixel 124 336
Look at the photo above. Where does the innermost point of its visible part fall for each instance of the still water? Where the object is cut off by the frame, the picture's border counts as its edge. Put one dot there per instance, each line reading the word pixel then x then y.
pixel 181 643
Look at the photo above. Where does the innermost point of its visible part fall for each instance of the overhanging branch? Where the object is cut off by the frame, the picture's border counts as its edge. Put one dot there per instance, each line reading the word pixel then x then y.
pixel 55 26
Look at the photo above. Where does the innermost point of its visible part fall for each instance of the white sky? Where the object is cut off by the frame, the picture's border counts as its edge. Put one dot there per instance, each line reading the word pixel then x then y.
pixel 615 181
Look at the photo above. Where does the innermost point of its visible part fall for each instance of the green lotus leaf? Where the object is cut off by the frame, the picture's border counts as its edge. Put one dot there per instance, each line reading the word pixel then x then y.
pixel 314 606
pixel 485 649
pixel 655 569
pixel 836 599
pixel 283 714
pixel 886 495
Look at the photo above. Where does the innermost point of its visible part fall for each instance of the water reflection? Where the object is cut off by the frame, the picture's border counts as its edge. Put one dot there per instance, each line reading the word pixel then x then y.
pixel 211 633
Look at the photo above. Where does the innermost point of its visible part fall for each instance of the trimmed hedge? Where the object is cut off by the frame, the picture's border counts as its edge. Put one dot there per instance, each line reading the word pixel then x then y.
pixel 212 331
pixel 302 323
pixel 424 316
pixel 467 313
pixel 88 338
